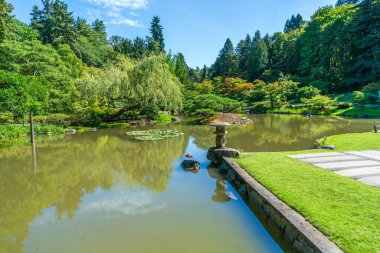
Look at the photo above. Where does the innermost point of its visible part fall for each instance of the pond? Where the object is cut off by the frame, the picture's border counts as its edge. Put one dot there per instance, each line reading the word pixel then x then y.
pixel 103 192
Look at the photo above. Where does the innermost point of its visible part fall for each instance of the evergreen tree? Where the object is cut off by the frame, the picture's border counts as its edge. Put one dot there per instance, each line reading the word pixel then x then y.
pixel 100 32
pixel 204 73
pixel 294 23
pixel 258 58
pixel 5 18
pixel 365 33
pixel 156 31
pixel 344 2
pixel 181 69
pixel 54 23
pixel 242 51
pixel 226 64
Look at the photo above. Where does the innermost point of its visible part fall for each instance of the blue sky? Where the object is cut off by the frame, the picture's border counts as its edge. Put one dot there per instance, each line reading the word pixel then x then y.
pixel 197 28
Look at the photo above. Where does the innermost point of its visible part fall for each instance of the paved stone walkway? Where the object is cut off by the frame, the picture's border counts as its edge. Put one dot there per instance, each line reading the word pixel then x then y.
pixel 361 165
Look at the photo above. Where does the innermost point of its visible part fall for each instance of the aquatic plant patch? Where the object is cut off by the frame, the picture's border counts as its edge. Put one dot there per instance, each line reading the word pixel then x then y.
pixel 153 135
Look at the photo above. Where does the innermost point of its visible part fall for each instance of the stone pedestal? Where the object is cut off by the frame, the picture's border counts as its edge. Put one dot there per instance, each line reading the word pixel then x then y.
pixel 216 154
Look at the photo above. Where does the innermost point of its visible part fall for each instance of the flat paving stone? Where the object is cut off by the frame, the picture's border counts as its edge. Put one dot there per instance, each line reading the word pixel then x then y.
pixel 361 172
pixel 316 155
pixel 361 165
pixel 326 159
pixel 375 181
pixel 375 155
pixel 346 165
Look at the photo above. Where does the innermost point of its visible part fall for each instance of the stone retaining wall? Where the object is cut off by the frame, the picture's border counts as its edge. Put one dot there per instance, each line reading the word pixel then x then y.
pixel 295 230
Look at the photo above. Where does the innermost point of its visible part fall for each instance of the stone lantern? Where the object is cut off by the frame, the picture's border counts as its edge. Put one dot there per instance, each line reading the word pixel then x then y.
pixel 217 153
pixel 220 139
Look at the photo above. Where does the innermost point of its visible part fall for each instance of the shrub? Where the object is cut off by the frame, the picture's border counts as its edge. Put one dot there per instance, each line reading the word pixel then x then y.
pixel 211 104
pixel 372 88
pixel 344 105
pixel 40 119
pixel 59 120
pixel 261 107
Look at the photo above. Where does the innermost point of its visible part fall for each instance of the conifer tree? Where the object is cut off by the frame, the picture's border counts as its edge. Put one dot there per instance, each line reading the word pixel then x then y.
pixel 5 17
pixel 156 31
pixel 294 23
pixel 226 64
pixel 181 69
pixel 366 36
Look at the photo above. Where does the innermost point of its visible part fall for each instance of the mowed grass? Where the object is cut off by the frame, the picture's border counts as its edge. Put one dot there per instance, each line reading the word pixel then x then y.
pixel 356 141
pixel 345 210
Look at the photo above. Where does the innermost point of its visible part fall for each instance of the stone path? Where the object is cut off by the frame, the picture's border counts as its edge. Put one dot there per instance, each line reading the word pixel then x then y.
pixel 361 165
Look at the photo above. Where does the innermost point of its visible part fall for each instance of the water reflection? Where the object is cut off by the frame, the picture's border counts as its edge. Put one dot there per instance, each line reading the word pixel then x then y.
pixel 105 173
pixel 61 173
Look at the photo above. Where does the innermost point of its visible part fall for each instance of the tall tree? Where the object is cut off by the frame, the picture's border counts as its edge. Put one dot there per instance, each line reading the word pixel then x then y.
pixel 54 23
pixel 181 69
pixel 242 51
pixel 204 73
pixel 226 64
pixel 258 57
pixel 365 66
pixel 156 30
pixel 294 23
pixel 5 18
pixel 344 2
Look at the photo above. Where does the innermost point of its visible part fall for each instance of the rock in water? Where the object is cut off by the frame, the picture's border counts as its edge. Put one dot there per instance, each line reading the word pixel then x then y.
pixel 328 147
pixel 215 155
pixel 189 156
pixel 191 166
pixel 176 120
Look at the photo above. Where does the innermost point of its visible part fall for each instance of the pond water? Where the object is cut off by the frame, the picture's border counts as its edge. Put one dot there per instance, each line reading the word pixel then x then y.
pixel 102 192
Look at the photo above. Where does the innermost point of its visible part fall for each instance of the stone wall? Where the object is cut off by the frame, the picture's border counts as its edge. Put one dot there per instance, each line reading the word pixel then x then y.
pixel 294 229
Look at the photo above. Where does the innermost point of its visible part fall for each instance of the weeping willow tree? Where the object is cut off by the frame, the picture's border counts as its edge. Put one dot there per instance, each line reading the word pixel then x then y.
pixel 147 83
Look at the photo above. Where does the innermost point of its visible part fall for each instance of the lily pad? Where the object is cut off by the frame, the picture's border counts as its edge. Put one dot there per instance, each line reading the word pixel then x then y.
pixel 153 135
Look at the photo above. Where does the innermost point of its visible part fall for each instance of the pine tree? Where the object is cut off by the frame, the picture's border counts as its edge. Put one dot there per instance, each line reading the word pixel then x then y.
pixel 181 69
pixel 258 58
pixel 226 64
pixel 294 23
pixel 54 23
pixel 242 51
pixel 5 17
pixel 156 31
pixel 204 73
pixel 366 36
pixel 344 2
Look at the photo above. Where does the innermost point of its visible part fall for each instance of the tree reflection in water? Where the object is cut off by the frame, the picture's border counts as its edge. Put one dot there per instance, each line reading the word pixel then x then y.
pixel 67 170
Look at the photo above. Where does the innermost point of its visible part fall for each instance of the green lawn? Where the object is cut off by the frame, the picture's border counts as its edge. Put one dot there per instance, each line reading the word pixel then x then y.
pixel 354 142
pixel 347 211
pixel 357 112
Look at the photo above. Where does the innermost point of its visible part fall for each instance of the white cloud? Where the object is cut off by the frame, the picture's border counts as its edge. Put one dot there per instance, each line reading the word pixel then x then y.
pixel 125 21
pixel 118 12
pixel 123 203
pixel 127 4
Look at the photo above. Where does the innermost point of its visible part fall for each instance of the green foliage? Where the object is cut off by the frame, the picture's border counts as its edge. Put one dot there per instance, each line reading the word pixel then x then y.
pixel 210 104
pixel 226 64
pixel 22 94
pixel 258 58
pixel 17 131
pixel 360 98
pixel 5 18
pixel 62 120
pixel 372 88
pixel 294 23
pixel 181 69
pixel 156 31
pixel 318 100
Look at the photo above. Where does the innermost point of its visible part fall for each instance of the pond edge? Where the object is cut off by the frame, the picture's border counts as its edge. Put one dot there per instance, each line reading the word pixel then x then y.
pixel 295 229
